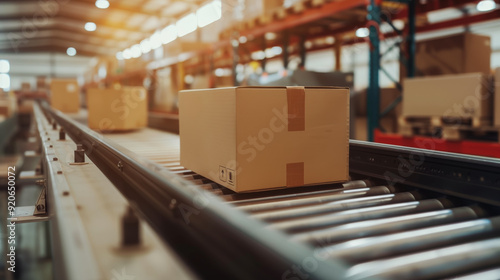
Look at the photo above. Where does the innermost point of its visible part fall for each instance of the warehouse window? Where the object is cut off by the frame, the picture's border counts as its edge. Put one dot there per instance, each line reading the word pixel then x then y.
pixel 4 74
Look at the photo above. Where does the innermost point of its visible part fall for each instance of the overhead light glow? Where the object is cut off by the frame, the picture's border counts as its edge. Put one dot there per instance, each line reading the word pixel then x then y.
pixel 270 36
pixel 4 81
pixel 155 40
pixel 209 13
pixel 71 51
pixel 186 25
pixel 4 66
pixel 243 40
pixel 486 5
pixel 362 32
pixel 127 54
pixel 102 4
pixel 120 56
pixel 277 50
pixel 258 55
pixel 135 51
pixel 145 46
pixel 168 34
pixel 90 26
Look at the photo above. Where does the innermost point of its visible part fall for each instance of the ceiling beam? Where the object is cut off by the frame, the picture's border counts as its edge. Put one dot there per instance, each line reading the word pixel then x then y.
pixel 65 28
pixel 114 6
pixel 60 45
pixel 80 19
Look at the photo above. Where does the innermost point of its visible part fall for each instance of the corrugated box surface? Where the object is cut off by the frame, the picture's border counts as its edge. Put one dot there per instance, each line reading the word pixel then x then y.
pixel 252 138
pixel 497 97
pixel 64 95
pixel 462 53
pixel 117 109
pixel 460 96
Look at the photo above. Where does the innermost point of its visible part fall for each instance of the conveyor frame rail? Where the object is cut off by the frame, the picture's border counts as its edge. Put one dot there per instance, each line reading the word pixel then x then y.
pixel 216 240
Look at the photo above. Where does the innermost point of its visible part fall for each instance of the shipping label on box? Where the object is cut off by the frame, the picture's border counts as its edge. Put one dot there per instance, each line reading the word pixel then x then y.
pixel 253 138
pixel 65 95
pixel 117 109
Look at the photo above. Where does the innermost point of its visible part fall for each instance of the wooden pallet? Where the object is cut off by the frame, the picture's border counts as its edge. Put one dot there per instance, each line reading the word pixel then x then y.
pixel 457 133
pixel 449 128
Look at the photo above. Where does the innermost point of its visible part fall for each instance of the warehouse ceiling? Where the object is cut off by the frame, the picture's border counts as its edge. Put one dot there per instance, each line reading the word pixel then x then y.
pixel 55 25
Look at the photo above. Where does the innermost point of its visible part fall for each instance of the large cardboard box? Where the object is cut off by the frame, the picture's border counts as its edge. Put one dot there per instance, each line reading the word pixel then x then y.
pixel 456 96
pixel 117 109
pixel 65 95
pixel 462 53
pixel 253 138
pixel 496 80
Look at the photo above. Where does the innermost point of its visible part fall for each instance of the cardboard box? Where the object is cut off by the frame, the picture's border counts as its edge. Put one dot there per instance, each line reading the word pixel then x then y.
pixel 254 138
pixel 460 96
pixel 462 53
pixel 65 95
pixel 387 97
pixel 25 86
pixel 117 109
pixel 496 80
pixel 8 104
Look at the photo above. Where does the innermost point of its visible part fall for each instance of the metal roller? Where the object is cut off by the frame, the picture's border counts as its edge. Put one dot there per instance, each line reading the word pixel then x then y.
pixel 324 198
pixel 491 274
pixel 369 248
pixel 355 215
pixel 239 202
pixel 337 234
pixel 329 207
pixel 440 263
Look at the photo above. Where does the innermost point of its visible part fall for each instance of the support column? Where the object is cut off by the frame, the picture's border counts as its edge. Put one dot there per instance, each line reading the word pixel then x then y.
pixel 373 98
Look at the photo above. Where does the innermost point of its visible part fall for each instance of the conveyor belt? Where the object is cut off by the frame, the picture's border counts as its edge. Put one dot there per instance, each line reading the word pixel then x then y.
pixel 363 224
pixel 405 230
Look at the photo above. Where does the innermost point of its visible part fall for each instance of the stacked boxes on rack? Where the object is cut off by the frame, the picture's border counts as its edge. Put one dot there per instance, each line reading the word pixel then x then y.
pixel 453 93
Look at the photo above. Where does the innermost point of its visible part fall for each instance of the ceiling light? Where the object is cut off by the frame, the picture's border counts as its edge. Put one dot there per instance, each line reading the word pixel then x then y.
pixel 276 50
pixel 209 13
pixel 155 40
pixel 186 25
pixel 486 5
pixel 71 51
pixel 243 39
pixel 102 4
pixel 362 32
pixel 120 56
pixel 4 66
pixel 127 54
pixel 90 26
pixel 135 51
pixel 4 81
pixel 145 46
pixel 258 55
pixel 270 36
pixel 168 34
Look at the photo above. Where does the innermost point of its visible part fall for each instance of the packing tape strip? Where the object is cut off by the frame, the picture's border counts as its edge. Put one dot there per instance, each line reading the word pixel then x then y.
pixel 295 174
pixel 296 108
